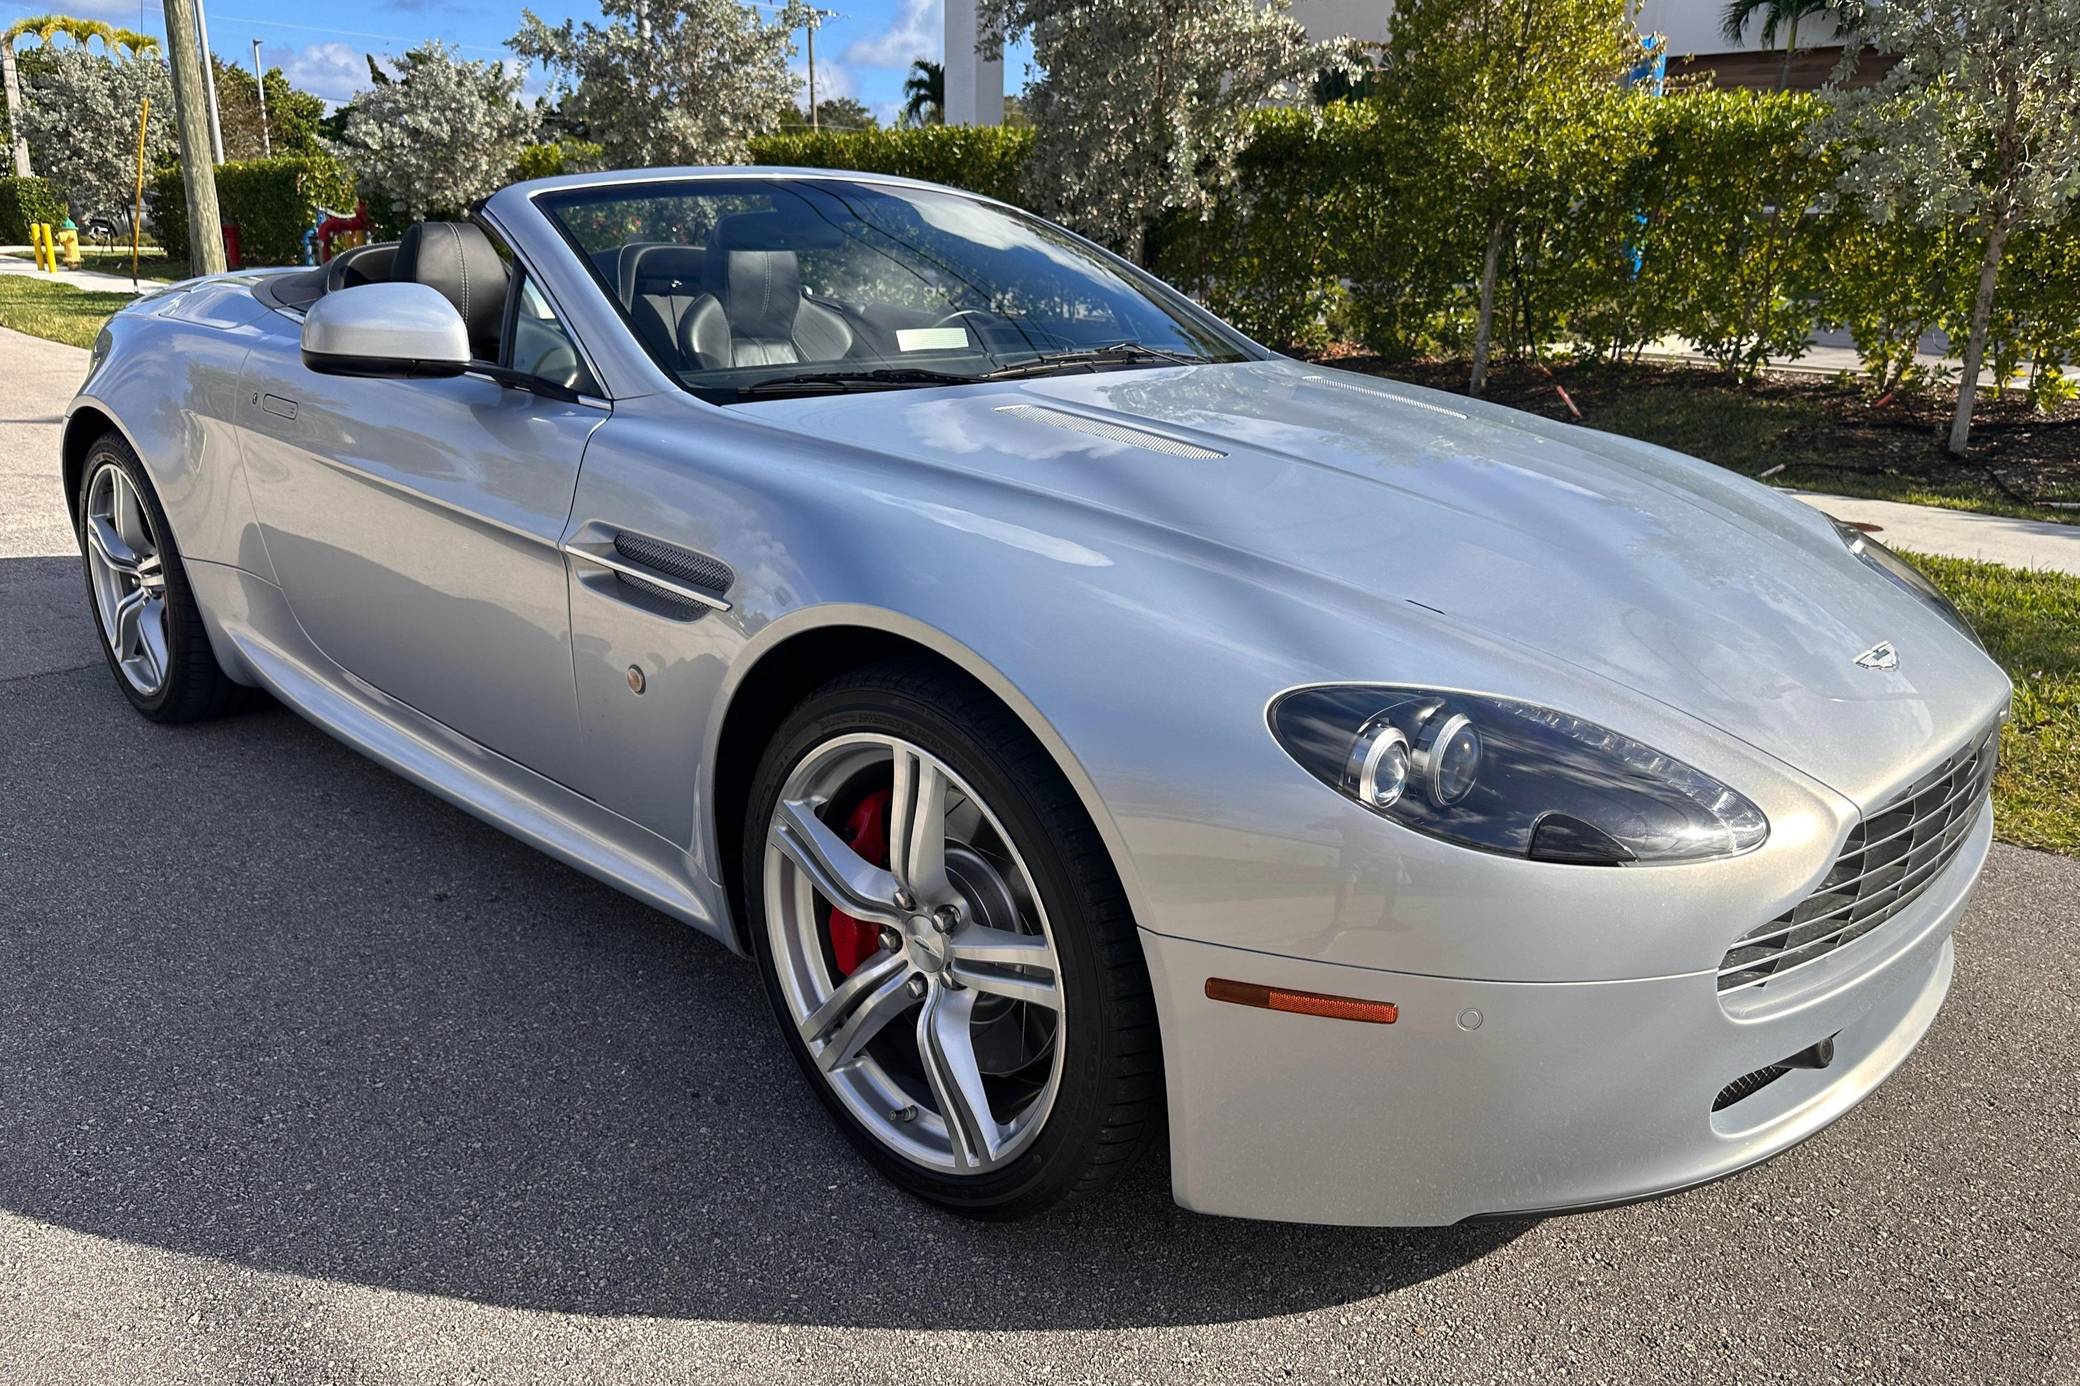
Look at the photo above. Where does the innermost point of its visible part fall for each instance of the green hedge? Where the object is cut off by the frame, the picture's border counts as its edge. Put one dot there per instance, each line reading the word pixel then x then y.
pixel 24 201
pixel 984 159
pixel 272 200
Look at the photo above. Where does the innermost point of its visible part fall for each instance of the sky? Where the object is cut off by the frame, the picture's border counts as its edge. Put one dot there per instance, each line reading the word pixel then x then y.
pixel 862 52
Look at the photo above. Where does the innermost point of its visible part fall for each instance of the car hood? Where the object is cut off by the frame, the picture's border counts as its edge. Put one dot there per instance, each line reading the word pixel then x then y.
pixel 1674 578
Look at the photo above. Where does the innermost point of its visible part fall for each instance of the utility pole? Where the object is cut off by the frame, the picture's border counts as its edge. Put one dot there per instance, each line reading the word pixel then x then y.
pixel 191 121
pixel 812 71
pixel 260 86
pixel 209 80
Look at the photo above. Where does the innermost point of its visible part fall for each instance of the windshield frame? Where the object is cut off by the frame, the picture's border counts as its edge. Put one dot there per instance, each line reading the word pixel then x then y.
pixel 548 200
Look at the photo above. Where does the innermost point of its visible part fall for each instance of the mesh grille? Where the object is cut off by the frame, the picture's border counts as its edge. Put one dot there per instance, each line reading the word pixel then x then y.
pixel 1118 433
pixel 1891 857
pixel 1747 1085
pixel 694 569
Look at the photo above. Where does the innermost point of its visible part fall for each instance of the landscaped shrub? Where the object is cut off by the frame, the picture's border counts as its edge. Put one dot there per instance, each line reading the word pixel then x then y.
pixel 24 201
pixel 273 201
pixel 986 159
pixel 548 159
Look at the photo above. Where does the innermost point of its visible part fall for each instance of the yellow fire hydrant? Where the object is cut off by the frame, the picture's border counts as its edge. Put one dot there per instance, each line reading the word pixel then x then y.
pixel 68 241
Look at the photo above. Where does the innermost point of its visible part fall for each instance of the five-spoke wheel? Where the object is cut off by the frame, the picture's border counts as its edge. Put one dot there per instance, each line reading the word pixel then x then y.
pixel 128 578
pixel 946 945
pixel 942 1039
pixel 151 627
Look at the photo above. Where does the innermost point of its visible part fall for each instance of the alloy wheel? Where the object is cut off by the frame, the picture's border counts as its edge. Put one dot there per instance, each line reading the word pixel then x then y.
pixel 128 578
pixel 942 1034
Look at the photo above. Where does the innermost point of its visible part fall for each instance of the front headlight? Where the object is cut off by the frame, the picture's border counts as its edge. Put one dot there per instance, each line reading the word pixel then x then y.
pixel 1505 776
pixel 1906 575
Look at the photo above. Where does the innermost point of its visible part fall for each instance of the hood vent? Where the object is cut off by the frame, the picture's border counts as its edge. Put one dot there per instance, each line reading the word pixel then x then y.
pixel 1118 433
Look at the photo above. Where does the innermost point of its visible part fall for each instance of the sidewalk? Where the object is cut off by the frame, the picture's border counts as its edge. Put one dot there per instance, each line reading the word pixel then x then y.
pixel 1828 352
pixel 1957 533
pixel 15 260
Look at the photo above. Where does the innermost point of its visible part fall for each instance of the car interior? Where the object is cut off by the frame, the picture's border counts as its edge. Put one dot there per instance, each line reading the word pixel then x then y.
pixel 458 259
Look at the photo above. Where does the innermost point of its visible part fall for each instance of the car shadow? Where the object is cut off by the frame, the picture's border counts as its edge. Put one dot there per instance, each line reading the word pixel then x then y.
pixel 264 1002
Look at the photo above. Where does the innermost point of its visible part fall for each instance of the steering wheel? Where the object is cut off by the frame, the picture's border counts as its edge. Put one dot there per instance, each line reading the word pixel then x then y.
pixel 951 318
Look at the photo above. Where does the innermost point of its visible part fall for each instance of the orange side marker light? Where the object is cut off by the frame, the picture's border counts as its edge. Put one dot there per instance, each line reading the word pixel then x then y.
pixel 1302 1002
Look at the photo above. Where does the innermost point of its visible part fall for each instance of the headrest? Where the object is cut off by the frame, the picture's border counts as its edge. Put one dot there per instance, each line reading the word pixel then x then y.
pixel 456 257
pixel 649 268
pixel 760 289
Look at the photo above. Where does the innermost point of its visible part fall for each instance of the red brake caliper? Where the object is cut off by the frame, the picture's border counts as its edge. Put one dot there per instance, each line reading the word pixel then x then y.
pixel 853 941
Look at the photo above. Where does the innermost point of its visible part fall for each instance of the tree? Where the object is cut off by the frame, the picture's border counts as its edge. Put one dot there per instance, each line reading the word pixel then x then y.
pixel 832 113
pixel 1778 17
pixel 80 113
pixel 293 116
pixel 440 134
pixel 114 41
pixel 1976 126
pixel 1491 84
pixel 670 81
pixel 1141 105
pixel 924 94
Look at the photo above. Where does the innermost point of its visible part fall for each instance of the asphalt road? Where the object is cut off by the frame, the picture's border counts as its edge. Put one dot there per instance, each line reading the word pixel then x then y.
pixel 308 1077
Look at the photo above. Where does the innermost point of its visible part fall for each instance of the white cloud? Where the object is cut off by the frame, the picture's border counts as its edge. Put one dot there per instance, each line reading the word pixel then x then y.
pixel 831 79
pixel 919 31
pixel 331 71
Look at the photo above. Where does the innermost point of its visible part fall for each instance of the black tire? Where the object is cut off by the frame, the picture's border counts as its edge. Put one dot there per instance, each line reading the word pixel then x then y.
pixel 195 687
pixel 1109 1108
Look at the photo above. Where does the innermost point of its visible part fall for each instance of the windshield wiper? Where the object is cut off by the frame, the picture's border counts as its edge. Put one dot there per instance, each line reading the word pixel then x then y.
pixel 838 382
pixel 1115 353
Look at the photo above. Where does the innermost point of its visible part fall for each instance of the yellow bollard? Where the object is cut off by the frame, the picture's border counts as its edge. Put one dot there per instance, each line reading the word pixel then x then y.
pixel 36 243
pixel 50 248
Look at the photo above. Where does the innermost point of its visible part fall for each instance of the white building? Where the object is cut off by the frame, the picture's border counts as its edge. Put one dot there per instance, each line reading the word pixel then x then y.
pixel 975 89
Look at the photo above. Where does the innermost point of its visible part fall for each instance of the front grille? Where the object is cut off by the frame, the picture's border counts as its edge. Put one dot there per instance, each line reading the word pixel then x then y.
pixel 1891 857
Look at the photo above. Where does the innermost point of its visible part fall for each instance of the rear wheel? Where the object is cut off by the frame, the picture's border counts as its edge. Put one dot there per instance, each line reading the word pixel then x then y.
pixel 947 948
pixel 151 628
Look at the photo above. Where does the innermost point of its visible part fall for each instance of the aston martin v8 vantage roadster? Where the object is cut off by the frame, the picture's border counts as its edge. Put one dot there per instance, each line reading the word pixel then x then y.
pixel 1095 728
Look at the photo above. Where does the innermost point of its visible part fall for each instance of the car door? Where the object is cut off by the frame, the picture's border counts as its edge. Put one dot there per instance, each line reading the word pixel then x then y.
pixel 413 525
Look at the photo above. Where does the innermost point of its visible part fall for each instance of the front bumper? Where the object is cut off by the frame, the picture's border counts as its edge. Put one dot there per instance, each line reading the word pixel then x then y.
pixel 1493 1098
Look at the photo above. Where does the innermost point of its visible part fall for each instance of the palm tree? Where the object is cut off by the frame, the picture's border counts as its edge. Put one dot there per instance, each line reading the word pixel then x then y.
pixel 924 94
pixel 1778 16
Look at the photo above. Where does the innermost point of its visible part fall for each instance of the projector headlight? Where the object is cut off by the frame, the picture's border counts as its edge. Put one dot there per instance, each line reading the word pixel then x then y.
pixel 1511 777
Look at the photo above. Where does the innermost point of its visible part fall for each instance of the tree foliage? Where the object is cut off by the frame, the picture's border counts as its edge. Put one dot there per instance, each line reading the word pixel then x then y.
pixel 924 93
pixel 1141 104
pixel 440 134
pixel 670 81
pixel 80 116
pixel 1494 89
pixel 1976 128
pixel 293 115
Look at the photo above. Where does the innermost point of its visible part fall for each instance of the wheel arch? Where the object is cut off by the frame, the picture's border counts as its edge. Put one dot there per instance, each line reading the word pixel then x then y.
pixel 794 656
pixel 83 425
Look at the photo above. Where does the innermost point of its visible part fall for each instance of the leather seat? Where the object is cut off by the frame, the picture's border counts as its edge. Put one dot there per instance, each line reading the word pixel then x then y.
pixel 753 313
pixel 660 281
pixel 456 258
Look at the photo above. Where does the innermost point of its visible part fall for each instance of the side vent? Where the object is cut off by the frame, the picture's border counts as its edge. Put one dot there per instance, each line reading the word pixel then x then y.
pixel 1118 433
pixel 695 570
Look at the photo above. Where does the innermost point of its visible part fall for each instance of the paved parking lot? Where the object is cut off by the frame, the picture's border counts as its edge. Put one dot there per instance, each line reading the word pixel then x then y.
pixel 306 1076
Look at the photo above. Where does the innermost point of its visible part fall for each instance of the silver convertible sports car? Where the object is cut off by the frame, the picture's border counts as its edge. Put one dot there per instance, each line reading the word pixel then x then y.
pixel 1095 727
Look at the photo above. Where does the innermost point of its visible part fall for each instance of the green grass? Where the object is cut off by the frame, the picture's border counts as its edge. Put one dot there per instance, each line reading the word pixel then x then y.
pixel 55 310
pixel 2030 622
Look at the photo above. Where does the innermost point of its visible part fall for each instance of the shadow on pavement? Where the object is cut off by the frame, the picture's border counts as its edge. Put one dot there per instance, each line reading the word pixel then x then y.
pixel 262 1001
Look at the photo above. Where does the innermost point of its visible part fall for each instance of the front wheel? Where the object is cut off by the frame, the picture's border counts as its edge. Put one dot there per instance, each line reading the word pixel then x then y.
pixel 947 947
pixel 151 628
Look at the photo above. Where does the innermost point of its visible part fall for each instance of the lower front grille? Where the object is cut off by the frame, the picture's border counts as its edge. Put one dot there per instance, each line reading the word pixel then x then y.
pixel 1747 1085
pixel 1891 857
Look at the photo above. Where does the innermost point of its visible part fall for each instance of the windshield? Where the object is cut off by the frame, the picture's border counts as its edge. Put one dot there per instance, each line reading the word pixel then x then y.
pixel 748 289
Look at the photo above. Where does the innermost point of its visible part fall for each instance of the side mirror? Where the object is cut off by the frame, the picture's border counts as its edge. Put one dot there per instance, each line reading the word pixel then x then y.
pixel 385 330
